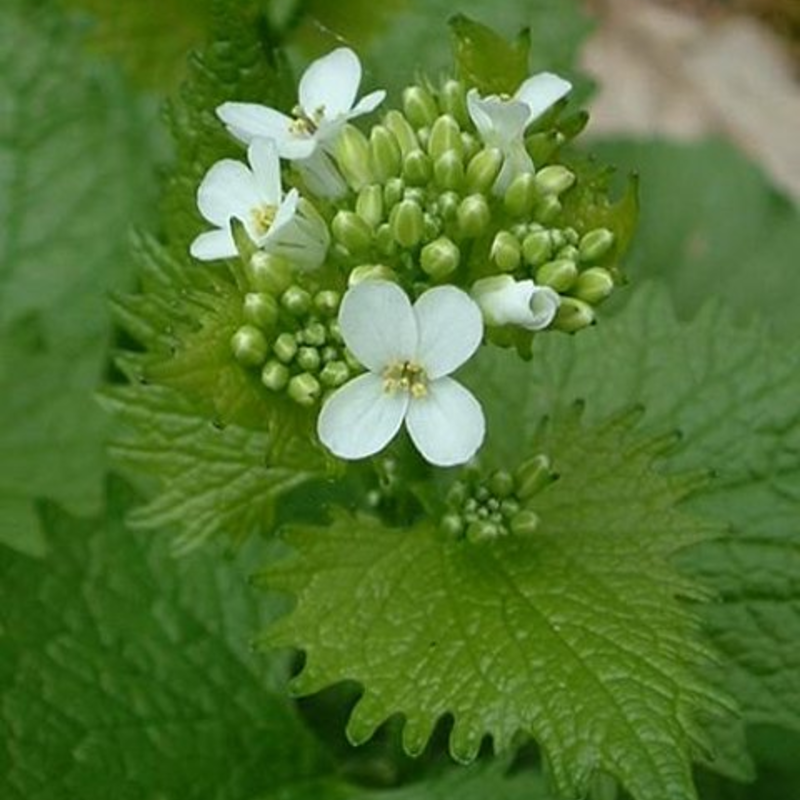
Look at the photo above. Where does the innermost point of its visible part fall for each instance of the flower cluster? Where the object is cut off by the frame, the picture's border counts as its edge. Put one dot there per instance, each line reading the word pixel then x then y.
pixel 377 263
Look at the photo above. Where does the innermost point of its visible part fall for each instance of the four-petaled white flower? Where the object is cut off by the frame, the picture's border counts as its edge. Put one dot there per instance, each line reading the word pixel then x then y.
pixel 327 100
pixel 409 352
pixel 254 196
pixel 501 122
pixel 505 301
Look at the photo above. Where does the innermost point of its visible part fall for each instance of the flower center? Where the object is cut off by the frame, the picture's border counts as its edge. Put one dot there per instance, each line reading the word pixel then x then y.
pixel 263 216
pixel 405 376
pixel 303 124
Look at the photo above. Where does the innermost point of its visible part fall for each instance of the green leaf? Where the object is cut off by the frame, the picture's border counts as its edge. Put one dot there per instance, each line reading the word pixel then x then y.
pixel 712 226
pixel 573 635
pixel 126 673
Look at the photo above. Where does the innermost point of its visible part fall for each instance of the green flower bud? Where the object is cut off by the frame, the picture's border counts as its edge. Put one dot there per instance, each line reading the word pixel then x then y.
pixel 509 507
pixel 448 170
pixel 594 285
pixel 275 375
pixel 371 272
pixel 524 523
pixel 453 100
pixel 447 205
pixel 423 135
pixel 470 145
pixel 419 106
pixel 536 248
pixel 407 223
pixel 334 374
pixel 315 333
pixel 452 525
pixel 335 331
pixel 369 205
pixel 432 226
pixel 285 347
pixel 350 230
pixel 506 251
pixel 327 302
pixel 417 194
pixel 445 136
pixel 309 359
pixel 249 346
pixel 501 483
pixel 521 195
pixel 547 208
pixel 352 362
pixel 440 258
pixel 533 475
pixel 385 153
pixel 473 216
pixel 403 132
pixel 596 244
pixel 483 170
pixel 542 146
pixel 260 309
pixel 483 531
pixel 304 389
pixel 417 168
pixel 269 273
pixel 457 494
pixel 393 192
pixel 329 353
pixel 384 240
pixel 569 251
pixel 554 179
pixel 573 315
pixel 559 274
pixel 352 155
pixel 296 300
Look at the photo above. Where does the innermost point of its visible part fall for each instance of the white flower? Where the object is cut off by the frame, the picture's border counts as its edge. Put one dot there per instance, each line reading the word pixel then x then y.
pixel 327 100
pixel 505 301
pixel 409 352
pixel 254 196
pixel 501 122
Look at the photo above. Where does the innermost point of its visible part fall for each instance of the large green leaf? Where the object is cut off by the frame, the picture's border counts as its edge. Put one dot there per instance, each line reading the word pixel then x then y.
pixel 126 673
pixel 573 634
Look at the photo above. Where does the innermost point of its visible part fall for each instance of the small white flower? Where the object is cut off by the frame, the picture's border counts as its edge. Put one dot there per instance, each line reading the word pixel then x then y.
pixel 327 100
pixel 254 196
pixel 505 301
pixel 409 352
pixel 501 122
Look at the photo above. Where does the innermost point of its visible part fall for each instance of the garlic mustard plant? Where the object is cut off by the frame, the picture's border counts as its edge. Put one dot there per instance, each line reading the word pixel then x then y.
pixel 505 301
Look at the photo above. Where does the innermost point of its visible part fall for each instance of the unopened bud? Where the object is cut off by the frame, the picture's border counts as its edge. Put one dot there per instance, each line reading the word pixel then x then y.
pixel 573 315
pixel 308 358
pixel 432 226
pixel 547 208
pixel 440 258
pixel 249 346
pixel 452 525
pixel 473 216
pixel 260 309
pixel 334 374
pixel 554 179
pixel 350 230
pixel 407 223
pixel 596 244
pixel 419 106
pixel 483 170
pixel 371 272
pixel 417 168
pixel 384 240
pixel 533 475
pixel 404 133
pixel 448 170
pixel 447 205
pixel 275 375
pixel 385 153
pixel 327 302
pixel 285 347
pixel 269 273
pixel 315 333
pixel 393 192
pixel 521 195
pixel 470 145
pixel 559 274
pixel 569 251
pixel 594 285
pixel 483 531
pixel 501 483
pixel 369 205
pixel 352 155
pixel 304 389
pixel 445 136
pixel 524 523
pixel 536 248
pixel 453 100
pixel 296 300
pixel 506 251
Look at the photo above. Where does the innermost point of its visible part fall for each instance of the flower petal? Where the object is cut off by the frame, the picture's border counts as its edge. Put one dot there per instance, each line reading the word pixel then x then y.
pixel 450 329
pixel 330 84
pixel 361 418
pixel 248 120
pixel 540 92
pixel 499 122
pixel 228 190
pixel 543 303
pixel 212 245
pixel 447 425
pixel 367 103
pixel 263 157
pixel 378 324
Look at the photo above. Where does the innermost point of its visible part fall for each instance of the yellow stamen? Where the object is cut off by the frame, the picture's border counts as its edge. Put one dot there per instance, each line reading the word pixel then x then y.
pixel 263 216
pixel 304 124
pixel 407 377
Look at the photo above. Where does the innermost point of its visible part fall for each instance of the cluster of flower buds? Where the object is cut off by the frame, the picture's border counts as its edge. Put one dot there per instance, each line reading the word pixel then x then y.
pixel 486 508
